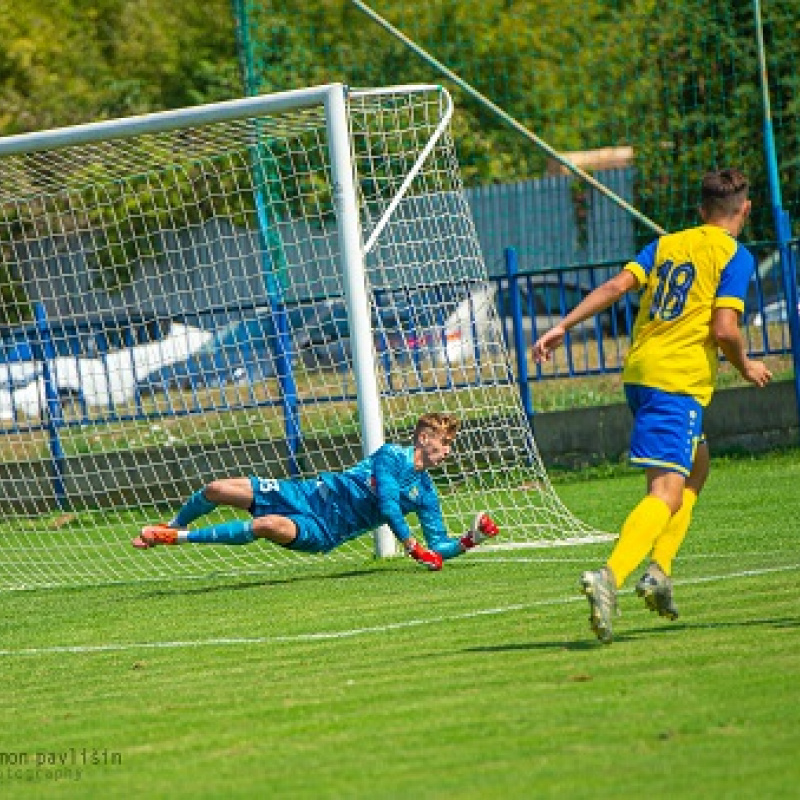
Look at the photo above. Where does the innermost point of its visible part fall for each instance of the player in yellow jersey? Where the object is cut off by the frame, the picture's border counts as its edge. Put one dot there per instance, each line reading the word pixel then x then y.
pixel 693 285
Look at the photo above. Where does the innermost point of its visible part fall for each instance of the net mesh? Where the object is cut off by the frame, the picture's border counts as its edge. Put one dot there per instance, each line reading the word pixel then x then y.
pixel 180 316
pixel 671 92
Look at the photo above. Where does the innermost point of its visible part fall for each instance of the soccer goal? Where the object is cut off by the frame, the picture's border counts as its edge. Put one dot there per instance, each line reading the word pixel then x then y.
pixel 271 286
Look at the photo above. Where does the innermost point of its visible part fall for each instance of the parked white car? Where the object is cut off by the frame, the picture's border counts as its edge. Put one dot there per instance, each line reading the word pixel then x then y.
pixel 14 374
pixel 766 287
pixel 773 312
pixel 103 381
pixel 483 320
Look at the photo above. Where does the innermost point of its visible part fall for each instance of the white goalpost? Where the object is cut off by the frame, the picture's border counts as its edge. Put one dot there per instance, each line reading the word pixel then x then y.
pixel 269 286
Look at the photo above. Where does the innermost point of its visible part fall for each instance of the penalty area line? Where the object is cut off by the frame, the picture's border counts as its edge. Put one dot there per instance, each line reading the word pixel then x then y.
pixel 353 632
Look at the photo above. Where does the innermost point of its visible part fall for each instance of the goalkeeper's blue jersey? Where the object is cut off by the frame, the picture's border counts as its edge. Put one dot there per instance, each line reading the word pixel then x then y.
pixel 382 489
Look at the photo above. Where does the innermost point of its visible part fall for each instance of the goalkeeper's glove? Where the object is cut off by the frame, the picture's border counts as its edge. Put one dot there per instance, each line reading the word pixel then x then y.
pixel 428 558
pixel 483 528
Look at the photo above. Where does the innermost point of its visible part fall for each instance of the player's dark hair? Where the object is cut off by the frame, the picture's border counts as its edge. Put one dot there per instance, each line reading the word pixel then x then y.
pixel 723 192
pixel 444 425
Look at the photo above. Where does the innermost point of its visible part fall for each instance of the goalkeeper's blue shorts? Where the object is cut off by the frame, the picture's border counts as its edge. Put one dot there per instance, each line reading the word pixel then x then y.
pixel 667 428
pixel 308 504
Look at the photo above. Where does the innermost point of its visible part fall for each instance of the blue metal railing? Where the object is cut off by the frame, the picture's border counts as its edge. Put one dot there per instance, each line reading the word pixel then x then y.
pixel 528 302
pixel 598 347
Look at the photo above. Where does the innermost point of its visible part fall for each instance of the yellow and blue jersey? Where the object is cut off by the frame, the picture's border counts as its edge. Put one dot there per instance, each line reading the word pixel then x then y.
pixel 685 277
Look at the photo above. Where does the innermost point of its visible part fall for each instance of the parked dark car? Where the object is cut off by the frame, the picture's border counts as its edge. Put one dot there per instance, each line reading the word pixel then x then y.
pixel 245 351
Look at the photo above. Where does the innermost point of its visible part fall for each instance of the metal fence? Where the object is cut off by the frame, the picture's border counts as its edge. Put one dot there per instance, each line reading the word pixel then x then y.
pixel 528 301
pixel 708 85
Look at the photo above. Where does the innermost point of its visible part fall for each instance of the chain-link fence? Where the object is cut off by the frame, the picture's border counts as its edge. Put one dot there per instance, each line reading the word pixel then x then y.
pixel 643 97
pixel 670 89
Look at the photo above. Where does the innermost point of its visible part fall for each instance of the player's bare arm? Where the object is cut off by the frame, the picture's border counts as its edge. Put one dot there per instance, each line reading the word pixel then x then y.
pixel 726 333
pixel 595 302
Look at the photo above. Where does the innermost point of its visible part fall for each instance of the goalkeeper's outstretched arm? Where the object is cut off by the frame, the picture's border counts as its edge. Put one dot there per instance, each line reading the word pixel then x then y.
pixel 483 528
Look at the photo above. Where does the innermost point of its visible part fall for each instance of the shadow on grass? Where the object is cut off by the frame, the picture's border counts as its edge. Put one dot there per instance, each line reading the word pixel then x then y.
pixel 632 635
pixel 677 627
pixel 224 583
pixel 235 585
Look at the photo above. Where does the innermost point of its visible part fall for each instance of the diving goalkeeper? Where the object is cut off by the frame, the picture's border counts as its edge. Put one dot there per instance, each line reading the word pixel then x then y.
pixel 319 514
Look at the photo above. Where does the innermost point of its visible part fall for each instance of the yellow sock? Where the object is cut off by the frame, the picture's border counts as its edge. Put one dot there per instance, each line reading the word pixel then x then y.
pixel 642 527
pixel 671 538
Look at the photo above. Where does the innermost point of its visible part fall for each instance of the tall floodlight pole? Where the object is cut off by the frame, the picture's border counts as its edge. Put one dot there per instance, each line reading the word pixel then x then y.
pixel 783 225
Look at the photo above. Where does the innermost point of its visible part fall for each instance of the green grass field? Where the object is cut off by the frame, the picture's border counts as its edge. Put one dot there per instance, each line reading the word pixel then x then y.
pixel 385 681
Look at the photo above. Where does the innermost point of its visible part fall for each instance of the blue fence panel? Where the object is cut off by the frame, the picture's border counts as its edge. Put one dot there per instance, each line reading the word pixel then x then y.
pixel 551 224
pixel 528 303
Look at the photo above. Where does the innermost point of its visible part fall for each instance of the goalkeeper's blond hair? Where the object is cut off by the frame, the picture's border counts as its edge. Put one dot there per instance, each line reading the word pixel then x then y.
pixel 444 425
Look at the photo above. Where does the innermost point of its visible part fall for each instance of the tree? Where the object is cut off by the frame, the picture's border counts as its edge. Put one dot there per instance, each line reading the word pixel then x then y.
pixel 678 82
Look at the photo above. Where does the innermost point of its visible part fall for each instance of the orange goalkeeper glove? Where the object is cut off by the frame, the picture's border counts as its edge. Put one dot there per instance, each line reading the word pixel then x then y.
pixel 483 528
pixel 428 558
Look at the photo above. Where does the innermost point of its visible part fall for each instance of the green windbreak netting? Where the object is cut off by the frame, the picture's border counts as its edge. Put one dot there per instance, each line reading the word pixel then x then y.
pixel 667 90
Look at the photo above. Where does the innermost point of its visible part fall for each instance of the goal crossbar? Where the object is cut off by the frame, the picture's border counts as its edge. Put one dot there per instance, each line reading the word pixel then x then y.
pixel 165 121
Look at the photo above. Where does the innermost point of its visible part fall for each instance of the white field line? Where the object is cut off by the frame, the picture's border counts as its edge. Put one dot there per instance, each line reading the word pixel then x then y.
pixel 353 632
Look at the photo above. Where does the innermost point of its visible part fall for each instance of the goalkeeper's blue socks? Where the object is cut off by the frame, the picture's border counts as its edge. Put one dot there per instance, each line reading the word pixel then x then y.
pixel 196 506
pixel 237 531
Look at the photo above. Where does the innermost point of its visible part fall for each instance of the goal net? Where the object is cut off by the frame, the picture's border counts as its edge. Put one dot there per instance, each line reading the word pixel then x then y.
pixel 267 286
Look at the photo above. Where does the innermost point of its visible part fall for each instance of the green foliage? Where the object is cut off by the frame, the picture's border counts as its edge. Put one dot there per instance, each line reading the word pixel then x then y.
pixel 66 62
pixel 676 82
pixel 71 61
pixel 14 308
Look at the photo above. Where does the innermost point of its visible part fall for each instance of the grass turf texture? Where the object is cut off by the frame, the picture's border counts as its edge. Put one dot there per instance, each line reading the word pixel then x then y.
pixel 385 681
